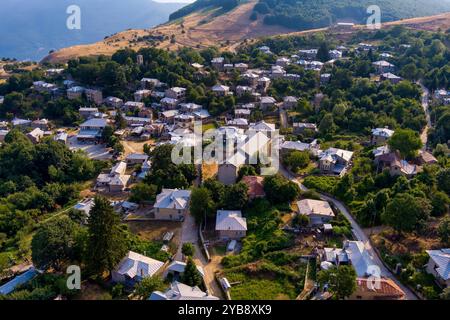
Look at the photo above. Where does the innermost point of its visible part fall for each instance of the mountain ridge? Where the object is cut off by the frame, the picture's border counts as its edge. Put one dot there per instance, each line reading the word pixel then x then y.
pixel 209 27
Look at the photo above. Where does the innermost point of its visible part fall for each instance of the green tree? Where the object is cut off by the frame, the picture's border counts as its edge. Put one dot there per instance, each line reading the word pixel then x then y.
pixel 404 212
pixel 201 205
pixel 341 281
pixel 145 288
pixel 107 134
pixel 246 170
pixel 443 180
pixel 297 160
pixel 217 190
pixel 188 249
pixel 406 141
pixel 278 189
pixel 444 231
pixel 191 275
pixel 301 220
pixel 327 126
pixel 120 121
pixel 54 243
pixel 106 239
pixel 236 196
pixel 439 201
pixel 143 192
pixel 445 295
pixel 323 53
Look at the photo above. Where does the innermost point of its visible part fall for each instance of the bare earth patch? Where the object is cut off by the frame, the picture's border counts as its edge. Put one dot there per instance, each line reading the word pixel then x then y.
pixel 155 230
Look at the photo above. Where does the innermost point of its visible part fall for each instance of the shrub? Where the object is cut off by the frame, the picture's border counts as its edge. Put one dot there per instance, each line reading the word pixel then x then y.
pixel 117 291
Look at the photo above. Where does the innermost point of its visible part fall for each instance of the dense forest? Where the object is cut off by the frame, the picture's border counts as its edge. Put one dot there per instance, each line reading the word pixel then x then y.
pixel 307 14
pixel 224 5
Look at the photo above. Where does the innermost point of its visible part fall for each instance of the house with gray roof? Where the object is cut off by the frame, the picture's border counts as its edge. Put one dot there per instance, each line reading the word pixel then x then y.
pixel 318 211
pixel 335 161
pixel 381 135
pixel 172 204
pixel 353 253
pixel 439 265
pixel 134 267
pixel 92 129
pixel 230 224
pixel 180 291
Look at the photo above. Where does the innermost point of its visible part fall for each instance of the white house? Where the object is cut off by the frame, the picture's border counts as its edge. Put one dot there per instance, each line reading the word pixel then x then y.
pixel 135 267
pixel 176 268
pixel 221 90
pixel 172 204
pixel 318 211
pixel 288 146
pixel 267 102
pixel 176 93
pixel 439 265
pixel 243 90
pixel 289 102
pixel 142 94
pixel 218 62
pixel 35 135
pixel 392 78
pixel 231 224
pixel 180 291
pixel 353 253
pixel 335 54
pixel 91 129
pixel 335 161
pixel 114 102
pixel 136 158
pixel 381 135
pixel 116 180
pixel 383 66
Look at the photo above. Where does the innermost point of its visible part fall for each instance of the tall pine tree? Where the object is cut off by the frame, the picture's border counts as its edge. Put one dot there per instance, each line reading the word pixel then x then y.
pixel 323 53
pixel 191 275
pixel 106 240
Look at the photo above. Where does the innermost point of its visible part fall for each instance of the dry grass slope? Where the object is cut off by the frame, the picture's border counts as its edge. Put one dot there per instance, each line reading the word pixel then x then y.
pixel 204 29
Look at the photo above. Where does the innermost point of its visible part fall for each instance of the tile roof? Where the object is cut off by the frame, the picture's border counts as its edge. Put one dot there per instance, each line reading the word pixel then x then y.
pixel 255 185
pixel 383 286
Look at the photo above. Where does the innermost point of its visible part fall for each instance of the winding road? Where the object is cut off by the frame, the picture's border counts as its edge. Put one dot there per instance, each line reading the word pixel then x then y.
pixel 359 235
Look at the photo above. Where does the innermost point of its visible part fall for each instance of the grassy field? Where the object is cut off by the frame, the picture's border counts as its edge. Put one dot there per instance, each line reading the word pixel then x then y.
pixel 262 289
pixel 268 280
pixel 209 126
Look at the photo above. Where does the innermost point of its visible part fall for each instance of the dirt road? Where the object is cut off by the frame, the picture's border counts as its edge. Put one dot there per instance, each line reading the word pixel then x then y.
pixel 189 233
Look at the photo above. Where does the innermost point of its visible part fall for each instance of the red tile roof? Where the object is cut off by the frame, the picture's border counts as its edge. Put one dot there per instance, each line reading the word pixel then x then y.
pixel 387 287
pixel 255 186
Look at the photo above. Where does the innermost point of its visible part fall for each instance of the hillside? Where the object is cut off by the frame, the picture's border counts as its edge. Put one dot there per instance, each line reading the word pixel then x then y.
pixel 200 29
pixel 308 14
pixel 211 27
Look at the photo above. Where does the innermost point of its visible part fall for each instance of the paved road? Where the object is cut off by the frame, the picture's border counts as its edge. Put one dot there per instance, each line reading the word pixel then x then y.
pixel 359 235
